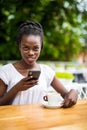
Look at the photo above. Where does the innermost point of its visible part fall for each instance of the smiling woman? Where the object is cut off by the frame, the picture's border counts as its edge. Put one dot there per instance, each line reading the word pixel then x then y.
pixel 16 85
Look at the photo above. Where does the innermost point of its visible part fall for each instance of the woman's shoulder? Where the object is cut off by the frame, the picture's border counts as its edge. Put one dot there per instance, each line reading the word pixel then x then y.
pixel 46 68
pixel 48 73
pixel 6 66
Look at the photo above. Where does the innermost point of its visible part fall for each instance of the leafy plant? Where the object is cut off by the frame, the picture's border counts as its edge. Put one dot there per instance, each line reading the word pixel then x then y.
pixel 63 23
pixel 64 75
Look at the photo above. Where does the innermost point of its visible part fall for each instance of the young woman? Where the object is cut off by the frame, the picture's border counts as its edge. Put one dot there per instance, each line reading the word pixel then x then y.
pixel 15 84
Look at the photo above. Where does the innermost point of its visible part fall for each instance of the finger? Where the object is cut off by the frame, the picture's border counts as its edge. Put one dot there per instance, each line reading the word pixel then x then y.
pixel 66 103
pixel 33 81
pixel 72 102
pixel 69 103
pixel 30 85
pixel 62 103
pixel 29 81
pixel 29 78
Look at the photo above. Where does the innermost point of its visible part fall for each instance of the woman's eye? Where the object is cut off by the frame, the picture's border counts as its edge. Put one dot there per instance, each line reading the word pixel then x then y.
pixel 36 48
pixel 25 48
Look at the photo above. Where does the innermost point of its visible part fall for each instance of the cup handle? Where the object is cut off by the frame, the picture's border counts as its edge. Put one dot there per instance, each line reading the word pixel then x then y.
pixel 45 98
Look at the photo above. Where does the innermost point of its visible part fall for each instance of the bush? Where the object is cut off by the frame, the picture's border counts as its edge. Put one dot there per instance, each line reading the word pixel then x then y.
pixel 64 75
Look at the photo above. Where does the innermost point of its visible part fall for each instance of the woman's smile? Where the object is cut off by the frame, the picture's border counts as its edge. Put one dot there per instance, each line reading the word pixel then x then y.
pixel 31 59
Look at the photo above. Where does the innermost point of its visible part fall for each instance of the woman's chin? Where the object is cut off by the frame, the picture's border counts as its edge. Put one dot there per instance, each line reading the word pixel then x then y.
pixel 30 63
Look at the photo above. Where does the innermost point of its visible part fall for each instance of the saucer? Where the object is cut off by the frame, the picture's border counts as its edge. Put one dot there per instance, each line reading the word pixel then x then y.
pixel 45 104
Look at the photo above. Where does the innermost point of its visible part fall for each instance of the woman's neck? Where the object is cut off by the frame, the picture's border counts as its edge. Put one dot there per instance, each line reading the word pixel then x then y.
pixel 25 66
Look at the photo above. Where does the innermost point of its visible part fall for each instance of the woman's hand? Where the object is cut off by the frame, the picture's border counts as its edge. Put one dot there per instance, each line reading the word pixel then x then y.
pixel 70 99
pixel 26 83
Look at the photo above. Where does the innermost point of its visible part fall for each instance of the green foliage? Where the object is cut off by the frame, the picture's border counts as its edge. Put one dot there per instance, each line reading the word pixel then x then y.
pixel 62 22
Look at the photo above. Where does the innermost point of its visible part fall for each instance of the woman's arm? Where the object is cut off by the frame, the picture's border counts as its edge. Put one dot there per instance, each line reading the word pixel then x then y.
pixel 70 98
pixel 6 98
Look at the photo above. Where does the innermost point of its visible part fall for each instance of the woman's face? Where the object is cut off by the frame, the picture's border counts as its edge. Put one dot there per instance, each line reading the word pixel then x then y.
pixel 30 48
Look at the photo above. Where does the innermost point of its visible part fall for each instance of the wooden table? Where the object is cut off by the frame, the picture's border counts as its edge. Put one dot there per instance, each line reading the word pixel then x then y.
pixel 36 117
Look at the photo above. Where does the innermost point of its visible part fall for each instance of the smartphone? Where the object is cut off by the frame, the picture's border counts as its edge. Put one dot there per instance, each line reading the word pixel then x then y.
pixel 34 73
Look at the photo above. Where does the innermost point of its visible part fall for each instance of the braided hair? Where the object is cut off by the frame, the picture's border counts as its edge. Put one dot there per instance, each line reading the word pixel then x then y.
pixel 28 28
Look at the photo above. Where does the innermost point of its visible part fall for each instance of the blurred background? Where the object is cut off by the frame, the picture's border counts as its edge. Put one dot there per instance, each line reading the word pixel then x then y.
pixel 64 23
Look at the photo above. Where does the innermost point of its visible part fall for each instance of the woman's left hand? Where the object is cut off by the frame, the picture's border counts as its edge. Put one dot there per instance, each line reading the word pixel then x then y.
pixel 70 99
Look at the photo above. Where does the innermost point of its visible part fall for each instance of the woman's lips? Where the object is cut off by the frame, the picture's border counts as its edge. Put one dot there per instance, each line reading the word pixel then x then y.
pixel 30 59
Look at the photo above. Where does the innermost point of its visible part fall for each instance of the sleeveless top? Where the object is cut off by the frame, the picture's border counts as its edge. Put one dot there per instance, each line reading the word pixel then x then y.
pixel 11 76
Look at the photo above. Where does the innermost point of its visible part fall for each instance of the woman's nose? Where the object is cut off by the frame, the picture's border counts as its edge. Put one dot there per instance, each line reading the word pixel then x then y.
pixel 30 52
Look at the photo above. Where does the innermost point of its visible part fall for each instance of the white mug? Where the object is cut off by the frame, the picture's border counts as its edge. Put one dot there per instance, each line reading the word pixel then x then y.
pixel 54 98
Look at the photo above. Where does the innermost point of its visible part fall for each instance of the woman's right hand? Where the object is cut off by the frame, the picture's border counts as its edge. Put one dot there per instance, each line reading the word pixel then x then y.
pixel 26 83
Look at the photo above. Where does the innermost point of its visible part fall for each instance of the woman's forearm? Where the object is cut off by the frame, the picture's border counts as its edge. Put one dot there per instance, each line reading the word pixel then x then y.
pixel 9 96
